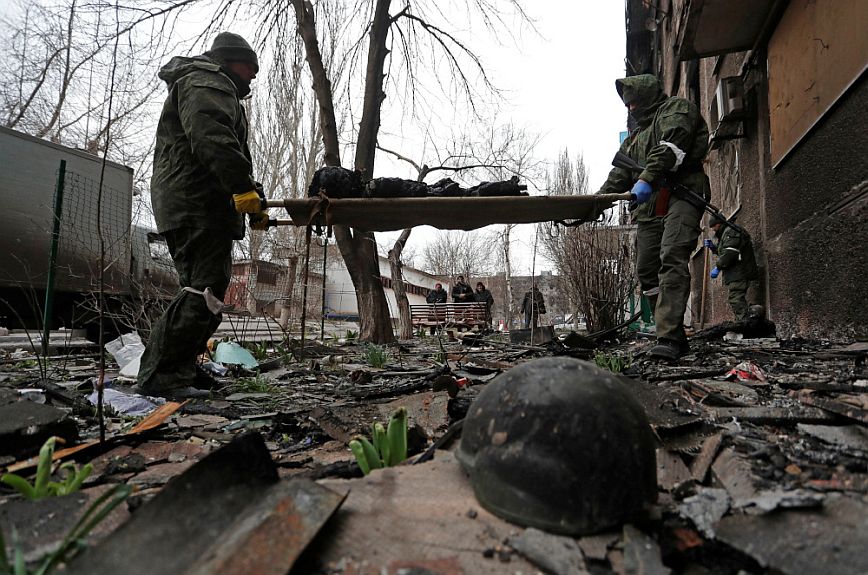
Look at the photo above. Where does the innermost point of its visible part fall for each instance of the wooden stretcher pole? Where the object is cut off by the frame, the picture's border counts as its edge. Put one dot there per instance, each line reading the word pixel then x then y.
pixel 704 284
pixel 466 213
pixel 325 253
pixel 307 235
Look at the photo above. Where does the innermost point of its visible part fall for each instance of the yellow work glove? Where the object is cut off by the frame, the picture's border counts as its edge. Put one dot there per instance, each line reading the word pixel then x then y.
pixel 247 203
pixel 258 221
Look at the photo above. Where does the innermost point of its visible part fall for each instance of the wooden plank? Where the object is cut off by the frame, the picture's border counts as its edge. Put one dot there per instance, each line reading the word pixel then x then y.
pixel 699 466
pixel 415 513
pixel 153 420
pixel 815 54
pixel 836 406
pixel 828 540
pixel 772 415
pixel 671 471
pixel 390 214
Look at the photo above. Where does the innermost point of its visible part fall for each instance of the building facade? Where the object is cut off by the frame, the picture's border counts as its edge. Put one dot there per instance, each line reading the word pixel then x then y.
pixel 340 296
pixel 782 87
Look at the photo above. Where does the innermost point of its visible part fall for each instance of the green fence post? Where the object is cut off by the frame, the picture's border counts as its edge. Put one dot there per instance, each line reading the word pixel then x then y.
pixel 52 257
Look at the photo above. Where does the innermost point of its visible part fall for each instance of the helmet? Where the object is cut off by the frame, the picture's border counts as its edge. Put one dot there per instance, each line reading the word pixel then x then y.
pixel 756 311
pixel 559 444
pixel 715 219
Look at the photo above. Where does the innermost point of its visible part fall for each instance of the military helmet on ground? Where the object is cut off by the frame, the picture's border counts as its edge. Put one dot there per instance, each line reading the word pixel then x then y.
pixel 560 444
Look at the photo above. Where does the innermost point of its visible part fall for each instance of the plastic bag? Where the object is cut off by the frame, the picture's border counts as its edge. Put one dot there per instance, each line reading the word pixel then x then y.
pixel 127 351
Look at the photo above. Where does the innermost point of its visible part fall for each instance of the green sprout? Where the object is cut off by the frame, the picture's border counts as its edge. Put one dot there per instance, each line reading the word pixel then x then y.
pixel 376 356
pixel 259 350
pixel 71 544
pixel 613 362
pixel 43 486
pixel 258 384
pixel 388 446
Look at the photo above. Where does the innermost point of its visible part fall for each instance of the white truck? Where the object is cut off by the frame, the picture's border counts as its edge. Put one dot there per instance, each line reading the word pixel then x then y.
pixel 136 261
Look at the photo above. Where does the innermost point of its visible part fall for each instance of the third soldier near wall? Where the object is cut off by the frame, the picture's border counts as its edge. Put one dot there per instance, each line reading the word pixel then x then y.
pixel 735 258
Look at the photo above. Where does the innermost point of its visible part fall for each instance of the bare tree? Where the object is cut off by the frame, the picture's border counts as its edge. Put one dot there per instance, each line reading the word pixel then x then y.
pixel 54 74
pixel 594 260
pixel 409 27
pixel 474 164
pixel 456 253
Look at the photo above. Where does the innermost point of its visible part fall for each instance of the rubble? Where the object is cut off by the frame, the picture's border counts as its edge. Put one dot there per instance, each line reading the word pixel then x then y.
pixel 27 424
pixel 753 476
pixel 228 513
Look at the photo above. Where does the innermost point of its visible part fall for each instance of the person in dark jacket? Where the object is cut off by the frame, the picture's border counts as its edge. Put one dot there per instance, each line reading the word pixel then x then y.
pixel 202 184
pixel 461 292
pixel 436 295
pixel 483 295
pixel 735 258
pixel 435 313
pixel 671 142
pixel 532 306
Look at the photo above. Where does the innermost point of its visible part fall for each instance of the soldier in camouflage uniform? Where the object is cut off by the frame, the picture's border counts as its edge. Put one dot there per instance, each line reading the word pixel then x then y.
pixel 201 186
pixel 671 141
pixel 735 258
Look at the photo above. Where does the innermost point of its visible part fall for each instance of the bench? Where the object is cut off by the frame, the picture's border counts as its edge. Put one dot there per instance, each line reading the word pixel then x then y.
pixel 445 315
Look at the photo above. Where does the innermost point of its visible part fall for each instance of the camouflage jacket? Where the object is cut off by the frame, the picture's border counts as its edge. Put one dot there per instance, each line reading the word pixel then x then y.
pixel 201 157
pixel 671 142
pixel 735 257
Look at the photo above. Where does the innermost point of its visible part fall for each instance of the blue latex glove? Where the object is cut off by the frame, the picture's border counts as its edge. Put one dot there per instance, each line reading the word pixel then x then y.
pixel 642 192
pixel 714 272
pixel 710 245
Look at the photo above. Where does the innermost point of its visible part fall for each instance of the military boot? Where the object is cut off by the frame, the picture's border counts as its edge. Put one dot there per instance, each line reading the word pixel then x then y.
pixel 668 350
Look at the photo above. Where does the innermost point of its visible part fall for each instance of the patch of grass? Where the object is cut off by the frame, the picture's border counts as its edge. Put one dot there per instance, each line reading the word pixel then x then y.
pixel 256 384
pixel 613 362
pixel 351 335
pixel 376 356
pixel 258 349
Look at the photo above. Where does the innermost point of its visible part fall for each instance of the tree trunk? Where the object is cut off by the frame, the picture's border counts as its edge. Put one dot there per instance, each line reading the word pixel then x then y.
pixel 359 249
pixel 509 308
pixel 375 320
pixel 405 323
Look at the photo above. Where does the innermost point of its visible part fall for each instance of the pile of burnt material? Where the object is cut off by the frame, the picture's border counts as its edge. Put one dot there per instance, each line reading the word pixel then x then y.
pixel 336 182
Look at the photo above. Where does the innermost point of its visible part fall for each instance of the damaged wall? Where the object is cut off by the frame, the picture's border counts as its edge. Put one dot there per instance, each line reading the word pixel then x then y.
pixel 806 214
pixel 817 207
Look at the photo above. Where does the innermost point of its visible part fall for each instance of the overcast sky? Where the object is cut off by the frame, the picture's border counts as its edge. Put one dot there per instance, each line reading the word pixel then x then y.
pixel 559 83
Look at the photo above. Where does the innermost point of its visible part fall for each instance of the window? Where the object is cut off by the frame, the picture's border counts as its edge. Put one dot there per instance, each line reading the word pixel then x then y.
pixel 158 248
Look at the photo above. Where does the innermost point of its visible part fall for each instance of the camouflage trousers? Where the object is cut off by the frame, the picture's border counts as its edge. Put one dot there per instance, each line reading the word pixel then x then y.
pixel 203 258
pixel 739 301
pixel 663 250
